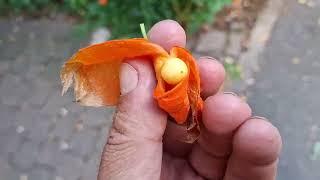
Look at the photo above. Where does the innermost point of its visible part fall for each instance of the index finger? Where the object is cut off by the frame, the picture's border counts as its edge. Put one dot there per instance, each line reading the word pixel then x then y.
pixel 167 33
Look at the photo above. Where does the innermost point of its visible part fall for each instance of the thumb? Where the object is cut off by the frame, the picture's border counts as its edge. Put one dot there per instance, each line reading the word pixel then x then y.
pixel 134 147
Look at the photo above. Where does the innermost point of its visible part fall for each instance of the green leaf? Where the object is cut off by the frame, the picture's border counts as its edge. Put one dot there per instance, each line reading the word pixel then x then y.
pixel 316 151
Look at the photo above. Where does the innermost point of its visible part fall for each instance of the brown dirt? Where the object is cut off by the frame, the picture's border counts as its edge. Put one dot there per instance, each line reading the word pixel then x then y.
pixel 243 12
pixel 239 11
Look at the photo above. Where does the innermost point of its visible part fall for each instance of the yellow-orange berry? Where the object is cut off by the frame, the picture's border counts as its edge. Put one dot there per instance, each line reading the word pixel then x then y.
pixel 174 70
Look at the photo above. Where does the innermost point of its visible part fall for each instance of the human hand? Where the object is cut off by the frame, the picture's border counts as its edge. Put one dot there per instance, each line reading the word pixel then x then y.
pixel 143 145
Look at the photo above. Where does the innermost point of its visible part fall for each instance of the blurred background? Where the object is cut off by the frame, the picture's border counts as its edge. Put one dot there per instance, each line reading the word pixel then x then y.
pixel 270 49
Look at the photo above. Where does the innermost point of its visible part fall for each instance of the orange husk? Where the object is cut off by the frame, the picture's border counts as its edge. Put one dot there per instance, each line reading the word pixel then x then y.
pixel 95 71
pixel 185 95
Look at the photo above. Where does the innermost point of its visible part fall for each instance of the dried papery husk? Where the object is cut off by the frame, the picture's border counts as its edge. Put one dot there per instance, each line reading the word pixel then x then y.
pixel 95 73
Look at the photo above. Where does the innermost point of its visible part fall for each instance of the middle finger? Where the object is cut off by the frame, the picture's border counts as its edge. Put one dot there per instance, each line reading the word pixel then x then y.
pixel 222 115
pixel 212 75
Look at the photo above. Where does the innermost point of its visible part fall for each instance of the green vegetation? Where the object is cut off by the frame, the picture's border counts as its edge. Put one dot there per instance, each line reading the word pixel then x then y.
pixel 233 69
pixel 17 6
pixel 123 17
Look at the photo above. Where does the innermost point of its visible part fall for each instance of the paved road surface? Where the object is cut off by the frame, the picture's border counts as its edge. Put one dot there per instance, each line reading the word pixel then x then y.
pixel 44 136
pixel 287 88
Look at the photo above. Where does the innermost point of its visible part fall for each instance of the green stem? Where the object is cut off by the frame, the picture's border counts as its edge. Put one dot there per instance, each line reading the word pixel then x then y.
pixel 143 31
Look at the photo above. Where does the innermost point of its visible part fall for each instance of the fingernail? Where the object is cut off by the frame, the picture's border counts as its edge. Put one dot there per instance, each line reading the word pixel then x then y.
pixel 259 117
pixel 208 57
pixel 128 78
pixel 231 93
